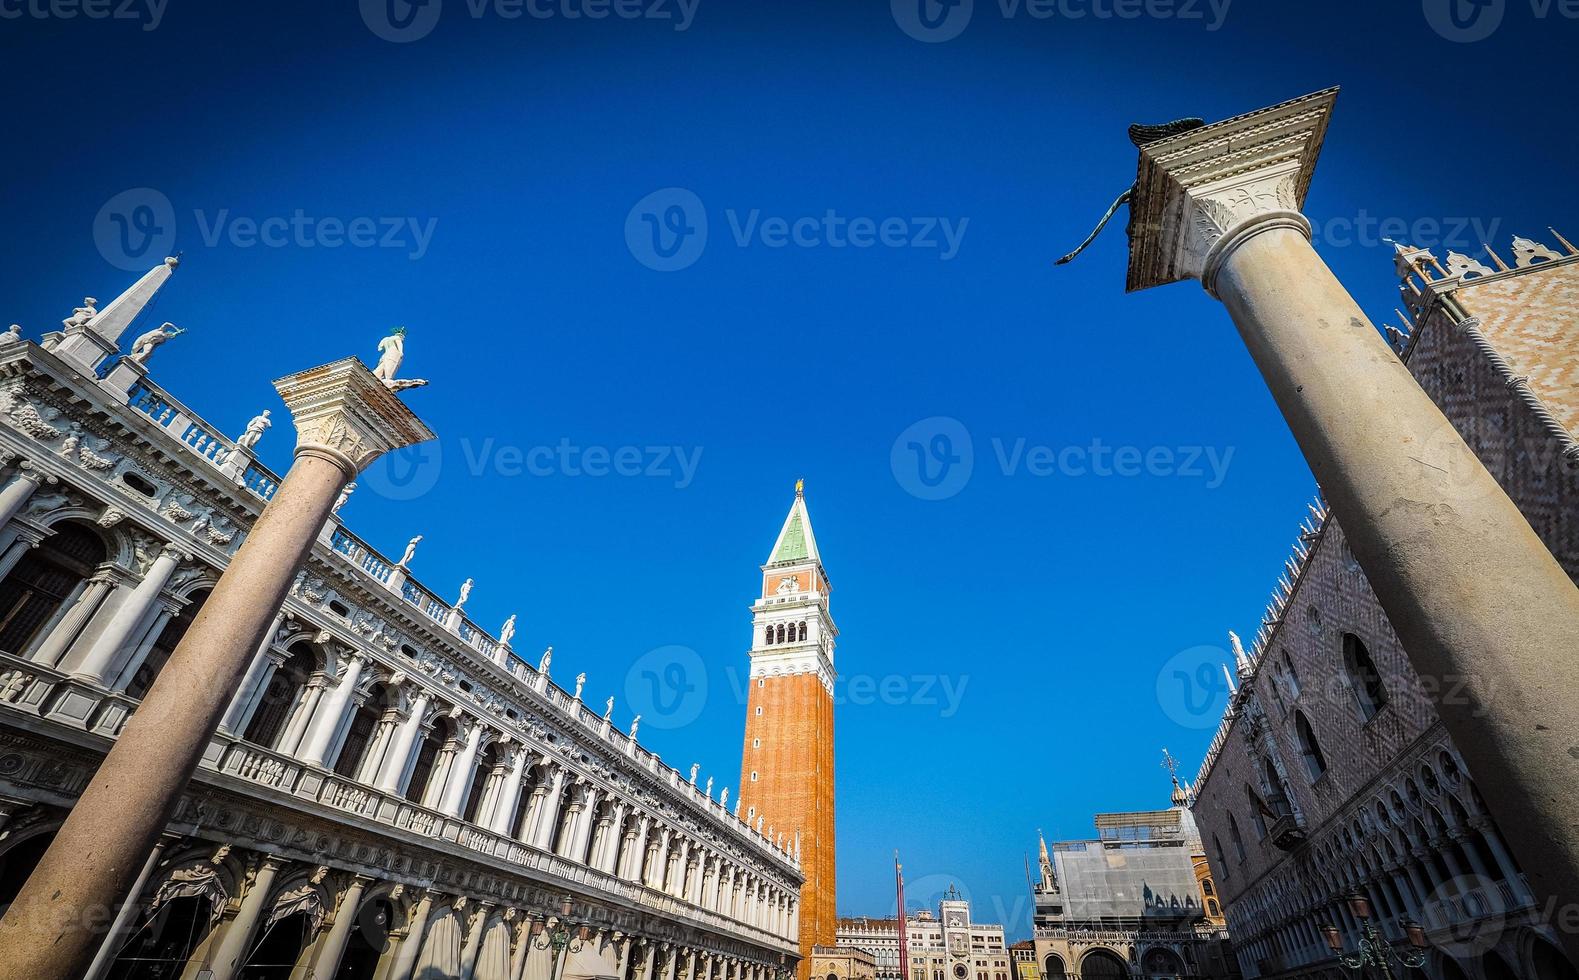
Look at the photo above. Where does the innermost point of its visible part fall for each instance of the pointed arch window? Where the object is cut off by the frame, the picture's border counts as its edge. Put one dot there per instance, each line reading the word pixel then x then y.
pixel 1290 677
pixel 1364 679
pixel 1236 838
pixel 1222 859
pixel 1309 747
pixel 1258 811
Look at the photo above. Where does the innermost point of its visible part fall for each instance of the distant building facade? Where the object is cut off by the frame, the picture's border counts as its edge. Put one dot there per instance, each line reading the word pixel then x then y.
pixel 947 946
pixel 1023 957
pixel 842 963
pixel 1129 903
pixel 1331 772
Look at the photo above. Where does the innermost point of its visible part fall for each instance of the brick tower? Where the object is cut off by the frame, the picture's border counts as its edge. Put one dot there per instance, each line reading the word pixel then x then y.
pixel 786 770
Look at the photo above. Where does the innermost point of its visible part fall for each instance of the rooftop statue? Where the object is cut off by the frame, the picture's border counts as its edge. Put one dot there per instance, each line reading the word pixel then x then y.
pixel 82 314
pixel 254 431
pixel 391 352
pixel 143 346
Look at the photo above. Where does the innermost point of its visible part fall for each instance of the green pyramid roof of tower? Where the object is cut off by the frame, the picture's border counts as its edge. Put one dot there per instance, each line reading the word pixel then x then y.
pixel 792 546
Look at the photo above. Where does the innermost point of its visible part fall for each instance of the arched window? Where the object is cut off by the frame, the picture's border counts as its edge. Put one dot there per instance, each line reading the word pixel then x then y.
pixel 781 632
pixel 1315 762
pixel 485 763
pixel 363 723
pixel 1237 839
pixel 165 645
pixel 803 632
pixel 427 756
pixel 1212 908
pixel 1290 676
pixel 1258 811
pixel 1364 679
pixel 769 632
pixel 284 690
pixel 1222 859
pixel 43 580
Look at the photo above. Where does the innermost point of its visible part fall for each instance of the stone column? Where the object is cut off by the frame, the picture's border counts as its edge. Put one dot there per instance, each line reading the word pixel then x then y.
pixel 66 629
pixel 510 793
pixel 231 951
pixel 460 780
pixel 327 721
pixel 290 740
pixel 473 947
pixel 1476 599
pixel 17 493
pixel 547 817
pixel 411 945
pixel 98 664
pixel 345 418
pixel 395 761
pixel 128 911
pixel 328 961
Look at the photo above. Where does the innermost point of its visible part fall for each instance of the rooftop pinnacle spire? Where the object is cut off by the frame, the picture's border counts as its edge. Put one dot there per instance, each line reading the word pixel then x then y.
pixel 796 542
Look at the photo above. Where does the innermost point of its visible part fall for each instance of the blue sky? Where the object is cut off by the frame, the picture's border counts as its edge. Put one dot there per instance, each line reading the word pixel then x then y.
pixel 1002 646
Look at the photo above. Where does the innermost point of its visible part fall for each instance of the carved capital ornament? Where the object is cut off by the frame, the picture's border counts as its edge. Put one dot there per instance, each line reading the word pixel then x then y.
pixel 346 415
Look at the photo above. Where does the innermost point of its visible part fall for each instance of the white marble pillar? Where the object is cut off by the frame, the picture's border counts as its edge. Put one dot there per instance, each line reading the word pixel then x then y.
pixel 510 792
pixel 395 760
pixel 460 776
pixel 256 681
pixel 21 488
pixel 411 946
pixel 231 952
pixel 65 630
pixel 102 658
pixel 306 709
pixel 331 711
pixel 547 816
pixel 124 916
pixel 327 962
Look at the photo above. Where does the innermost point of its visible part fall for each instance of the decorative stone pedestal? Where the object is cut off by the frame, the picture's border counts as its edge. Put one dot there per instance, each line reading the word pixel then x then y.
pixel 1480 605
pixel 345 418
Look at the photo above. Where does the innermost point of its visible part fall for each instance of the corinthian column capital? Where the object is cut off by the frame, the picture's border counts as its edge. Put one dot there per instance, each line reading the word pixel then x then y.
pixel 346 415
pixel 1201 193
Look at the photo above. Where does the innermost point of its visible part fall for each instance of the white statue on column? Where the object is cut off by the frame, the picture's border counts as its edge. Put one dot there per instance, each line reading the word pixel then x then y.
pixel 635 724
pixel 344 496
pixel 709 791
pixel 391 351
pixel 254 431
pixel 581 681
pixel 507 631
pixel 696 767
pixel 543 664
pixel 608 708
pixel 466 593
pixel 82 314
pixel 411 551
pixel 723 798
pixel 143 347
pixel 12 335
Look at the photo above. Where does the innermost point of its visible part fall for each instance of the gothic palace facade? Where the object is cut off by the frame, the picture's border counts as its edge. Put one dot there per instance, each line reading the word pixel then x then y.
pixel 392 794
pixel 1331 772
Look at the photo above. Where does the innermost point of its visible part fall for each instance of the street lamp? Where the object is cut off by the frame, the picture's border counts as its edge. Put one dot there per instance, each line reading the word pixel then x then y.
pixel 784 972
pixel 1375 950
pixel 558 937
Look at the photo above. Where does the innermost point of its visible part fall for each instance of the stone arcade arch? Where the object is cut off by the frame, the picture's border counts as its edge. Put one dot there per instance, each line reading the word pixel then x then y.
pixel 1103 964
pixel 1053 967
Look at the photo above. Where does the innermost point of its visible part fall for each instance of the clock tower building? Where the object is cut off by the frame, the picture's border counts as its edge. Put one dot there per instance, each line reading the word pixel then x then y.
pixel 786 777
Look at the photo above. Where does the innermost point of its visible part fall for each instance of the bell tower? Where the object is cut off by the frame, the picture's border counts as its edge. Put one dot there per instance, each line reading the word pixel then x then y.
pixel 786 770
